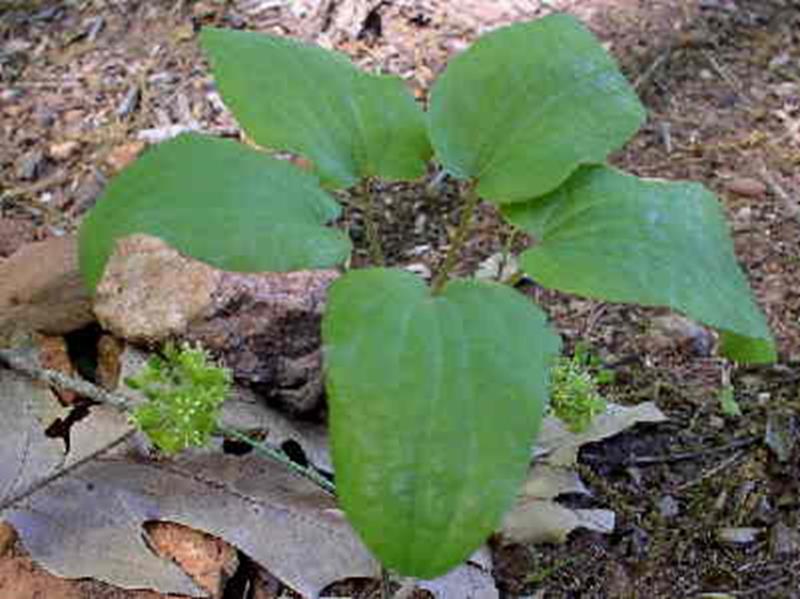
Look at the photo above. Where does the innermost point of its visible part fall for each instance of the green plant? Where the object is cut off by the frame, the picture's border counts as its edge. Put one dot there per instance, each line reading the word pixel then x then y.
pixel 184 391
pixel 574 396
pixel 727 402
pixel 436 394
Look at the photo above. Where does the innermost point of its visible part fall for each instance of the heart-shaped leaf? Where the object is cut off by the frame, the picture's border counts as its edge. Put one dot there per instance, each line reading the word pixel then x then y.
pixel 220 202
pixel 293 96
pixel 525 105
pixel 612 236
pixel 435 401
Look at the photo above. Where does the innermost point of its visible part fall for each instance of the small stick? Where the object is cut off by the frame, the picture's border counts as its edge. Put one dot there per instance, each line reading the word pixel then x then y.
pixel 16 360
pixel 711 472
pixel 726 76
pixel 791 205
pixel 692 455
pixel 666 135
pixel 650 70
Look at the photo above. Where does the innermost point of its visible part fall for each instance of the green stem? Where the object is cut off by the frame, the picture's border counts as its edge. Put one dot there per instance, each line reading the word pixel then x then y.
pixel 508 248
pixel 25 363
pixel 279 455
pixel 459 238
pixel 386 584
pixel 370 221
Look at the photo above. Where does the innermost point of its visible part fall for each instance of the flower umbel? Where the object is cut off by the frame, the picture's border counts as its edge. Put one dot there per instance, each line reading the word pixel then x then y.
pixel 574 397
pixel 185 391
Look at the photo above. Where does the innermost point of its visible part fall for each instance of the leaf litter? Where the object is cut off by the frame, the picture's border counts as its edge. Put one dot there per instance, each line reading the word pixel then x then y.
pixel 84 513
pixel 89 523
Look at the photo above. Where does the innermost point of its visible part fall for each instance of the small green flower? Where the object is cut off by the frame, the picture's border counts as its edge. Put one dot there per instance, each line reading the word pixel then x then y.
pixel 574 397
pixel 185 391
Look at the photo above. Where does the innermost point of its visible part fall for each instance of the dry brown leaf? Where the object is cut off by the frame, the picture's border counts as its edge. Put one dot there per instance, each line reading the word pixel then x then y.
pixel 282 521
pixel 42 290
pixel 88 522
pixel 471 580
pixel 537 517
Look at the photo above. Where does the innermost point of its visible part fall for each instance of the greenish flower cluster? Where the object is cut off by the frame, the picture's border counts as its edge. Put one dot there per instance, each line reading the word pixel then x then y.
pixel 185 391
pixel 574 397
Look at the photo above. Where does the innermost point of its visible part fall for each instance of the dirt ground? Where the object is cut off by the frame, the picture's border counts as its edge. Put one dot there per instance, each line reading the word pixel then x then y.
pixel 706 503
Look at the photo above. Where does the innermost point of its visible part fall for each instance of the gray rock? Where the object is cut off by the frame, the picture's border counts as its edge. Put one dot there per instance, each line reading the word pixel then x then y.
pixel 264 326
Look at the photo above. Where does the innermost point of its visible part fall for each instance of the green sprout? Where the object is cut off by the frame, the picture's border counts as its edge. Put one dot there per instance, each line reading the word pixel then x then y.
pixel 185 391
pixel 575 398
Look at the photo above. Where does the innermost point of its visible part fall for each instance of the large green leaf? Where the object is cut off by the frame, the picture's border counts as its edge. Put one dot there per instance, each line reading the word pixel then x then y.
pixel 525 105
pixel 220 202
pixel 434 403
pixel 292 96
pixel 612 236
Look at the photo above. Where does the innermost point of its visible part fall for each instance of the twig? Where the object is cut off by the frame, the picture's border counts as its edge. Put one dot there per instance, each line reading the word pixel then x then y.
pixel 726 76
pixel 758 590
pixel 692 455
pixel 650 70
pixel 666 135
pixel 15 192
pixel 791 205
pixel 711 472
pixel 278 455
pixel 16 360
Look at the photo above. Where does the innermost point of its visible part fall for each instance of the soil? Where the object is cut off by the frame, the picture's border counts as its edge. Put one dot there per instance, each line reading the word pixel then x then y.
pixel 80 81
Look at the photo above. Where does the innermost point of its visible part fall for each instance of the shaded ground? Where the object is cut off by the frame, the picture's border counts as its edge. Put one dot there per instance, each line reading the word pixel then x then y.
pixel 79 81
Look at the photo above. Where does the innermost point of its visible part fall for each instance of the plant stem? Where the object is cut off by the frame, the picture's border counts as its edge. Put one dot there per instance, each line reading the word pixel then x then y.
pixel 19 361
pixel 272 452
pixel 458 240
pixel 370 221
pixel 508 247
pixel 26 364
pixel 386 584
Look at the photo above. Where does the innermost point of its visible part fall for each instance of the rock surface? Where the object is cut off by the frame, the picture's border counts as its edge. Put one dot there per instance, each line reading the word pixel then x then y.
pixel 41 290
pixel 264 326
pixel 14 234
